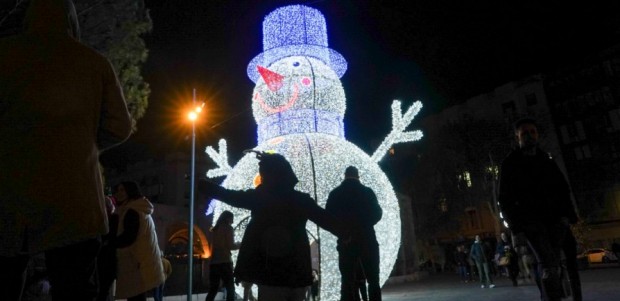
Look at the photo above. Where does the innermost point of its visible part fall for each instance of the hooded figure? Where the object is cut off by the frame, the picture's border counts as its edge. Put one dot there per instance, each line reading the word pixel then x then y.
pixel 140 267
pixel 275 251
pixel 60 106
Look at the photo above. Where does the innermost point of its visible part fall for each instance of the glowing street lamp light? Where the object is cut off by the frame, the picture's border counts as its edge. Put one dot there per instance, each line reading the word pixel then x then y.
pixel 192 116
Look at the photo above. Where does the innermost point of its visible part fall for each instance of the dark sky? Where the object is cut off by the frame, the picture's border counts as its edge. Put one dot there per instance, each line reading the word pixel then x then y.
pixel 440 52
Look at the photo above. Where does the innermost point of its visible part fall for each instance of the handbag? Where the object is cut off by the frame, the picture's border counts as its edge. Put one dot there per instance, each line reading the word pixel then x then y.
pixel 503 261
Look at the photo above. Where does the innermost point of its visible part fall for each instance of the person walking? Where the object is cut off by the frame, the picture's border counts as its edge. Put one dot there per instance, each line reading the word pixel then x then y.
pixel 479 255
pixel 140 267
pixel 61 106
pixel 221 265
pixel 357 206
pixel 275 250
pixel 507 258
pixel 535 200
pixel 247 291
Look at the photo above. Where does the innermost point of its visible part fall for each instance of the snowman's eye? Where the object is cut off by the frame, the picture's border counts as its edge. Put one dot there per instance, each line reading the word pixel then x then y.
pixel 296 64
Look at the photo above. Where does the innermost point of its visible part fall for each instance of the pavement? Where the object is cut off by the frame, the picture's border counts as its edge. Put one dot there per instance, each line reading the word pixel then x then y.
pixel 598 284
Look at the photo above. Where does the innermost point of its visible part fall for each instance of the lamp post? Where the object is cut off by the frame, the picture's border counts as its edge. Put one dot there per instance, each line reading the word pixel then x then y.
pixel 192 116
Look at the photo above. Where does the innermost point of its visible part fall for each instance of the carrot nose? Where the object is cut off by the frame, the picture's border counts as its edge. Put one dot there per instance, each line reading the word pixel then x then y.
pixel 272 79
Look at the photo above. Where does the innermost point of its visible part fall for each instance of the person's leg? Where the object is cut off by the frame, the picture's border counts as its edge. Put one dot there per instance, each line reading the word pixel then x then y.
pixel 272 293
pixel 72 270
pixel 139 297
pixel 487 274
pixel 157 293
pixel 363 290
pixel 480 272
pixel 229 282
pixel 569 246
pixel 247 289
pixel 548 258
pixel 463 273
pixel 346 263
pixel 296 294
pixel 106 272
pixel 215 274
pixel 513 270
pixel 370 262
pixel 13 275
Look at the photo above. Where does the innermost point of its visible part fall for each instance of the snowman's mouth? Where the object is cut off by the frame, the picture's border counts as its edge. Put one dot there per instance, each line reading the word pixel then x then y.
pixel 291 101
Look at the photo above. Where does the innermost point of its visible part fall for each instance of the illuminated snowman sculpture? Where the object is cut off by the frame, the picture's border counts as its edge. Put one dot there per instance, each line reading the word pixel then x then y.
pixel 299 105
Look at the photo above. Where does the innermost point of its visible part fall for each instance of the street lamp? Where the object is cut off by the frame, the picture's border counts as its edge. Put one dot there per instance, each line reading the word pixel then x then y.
pixel 192 116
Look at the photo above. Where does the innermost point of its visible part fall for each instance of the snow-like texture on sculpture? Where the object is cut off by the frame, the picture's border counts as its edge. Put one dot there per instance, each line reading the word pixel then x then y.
pixel 299 106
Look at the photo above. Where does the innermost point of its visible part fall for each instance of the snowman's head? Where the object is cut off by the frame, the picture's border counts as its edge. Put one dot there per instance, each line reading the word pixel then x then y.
pixel 300 94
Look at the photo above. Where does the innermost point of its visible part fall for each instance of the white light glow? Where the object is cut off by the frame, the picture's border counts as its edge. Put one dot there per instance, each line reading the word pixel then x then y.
pixel 296 30
pixel 399 124
pixel 319 160
pixel 318 107
pixel 299 105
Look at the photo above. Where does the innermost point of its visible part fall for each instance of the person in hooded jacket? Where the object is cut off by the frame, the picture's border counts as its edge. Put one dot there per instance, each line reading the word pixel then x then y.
pixel 61 105
pixel 139 265
pixel 275 250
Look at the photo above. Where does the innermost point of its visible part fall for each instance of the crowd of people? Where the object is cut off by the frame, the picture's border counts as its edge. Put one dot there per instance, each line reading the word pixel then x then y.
pixel 58 93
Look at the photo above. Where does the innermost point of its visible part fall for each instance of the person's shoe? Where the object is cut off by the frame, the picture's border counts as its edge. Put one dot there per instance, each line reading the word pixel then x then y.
pixel 482 286
pixel 492 286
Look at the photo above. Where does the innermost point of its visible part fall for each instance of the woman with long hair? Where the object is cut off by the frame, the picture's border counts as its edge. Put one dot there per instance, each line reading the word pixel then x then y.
pixel 221 266
pixel 139 264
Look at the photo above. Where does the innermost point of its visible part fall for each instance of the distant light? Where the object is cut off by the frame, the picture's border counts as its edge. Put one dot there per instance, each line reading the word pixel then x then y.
pixel 192 115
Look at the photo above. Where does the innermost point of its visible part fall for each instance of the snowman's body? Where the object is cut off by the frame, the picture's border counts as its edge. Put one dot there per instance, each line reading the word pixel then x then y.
pixel 299 105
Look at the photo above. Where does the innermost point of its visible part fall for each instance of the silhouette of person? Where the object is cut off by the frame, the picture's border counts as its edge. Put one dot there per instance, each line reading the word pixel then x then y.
pixel 535 200
pixel 357 206
pixel 221 265
pixel 61 105
pixel 479 253
pixel 275 250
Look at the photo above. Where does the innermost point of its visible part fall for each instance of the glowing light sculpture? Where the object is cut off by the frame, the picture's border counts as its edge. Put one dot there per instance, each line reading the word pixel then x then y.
pixel 299 104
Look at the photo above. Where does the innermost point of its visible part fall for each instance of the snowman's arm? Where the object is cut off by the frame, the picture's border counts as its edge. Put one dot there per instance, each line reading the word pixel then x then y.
pixel 398 134
pixel 220 158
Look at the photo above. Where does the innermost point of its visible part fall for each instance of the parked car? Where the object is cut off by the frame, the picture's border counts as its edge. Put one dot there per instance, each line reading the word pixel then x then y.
pixel 598 255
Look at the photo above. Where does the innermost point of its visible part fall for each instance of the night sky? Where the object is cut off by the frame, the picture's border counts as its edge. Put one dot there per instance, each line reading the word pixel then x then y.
pixel 439 52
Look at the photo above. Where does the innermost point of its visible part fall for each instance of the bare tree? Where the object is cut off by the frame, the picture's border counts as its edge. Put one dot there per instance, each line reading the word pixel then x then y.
pixel 112 27
pixel 458 169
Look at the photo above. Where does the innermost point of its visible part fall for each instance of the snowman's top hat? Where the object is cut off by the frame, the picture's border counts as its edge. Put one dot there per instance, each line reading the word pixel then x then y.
pixel 295 30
